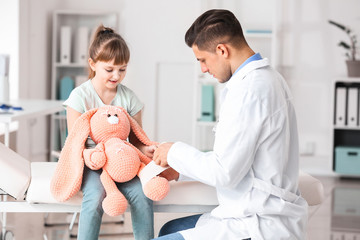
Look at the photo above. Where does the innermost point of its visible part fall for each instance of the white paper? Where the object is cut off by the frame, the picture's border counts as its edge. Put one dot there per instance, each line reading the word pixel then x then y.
pixel 352 110
pixel 149 171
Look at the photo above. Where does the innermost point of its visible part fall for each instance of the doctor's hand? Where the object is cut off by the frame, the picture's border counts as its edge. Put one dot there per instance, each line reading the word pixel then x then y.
pixel 160 154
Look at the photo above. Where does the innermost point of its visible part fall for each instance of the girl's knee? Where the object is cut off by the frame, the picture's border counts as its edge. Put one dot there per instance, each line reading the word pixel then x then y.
pixel 94 197
pixel 134 193
pixel 92 205
pixel 141 200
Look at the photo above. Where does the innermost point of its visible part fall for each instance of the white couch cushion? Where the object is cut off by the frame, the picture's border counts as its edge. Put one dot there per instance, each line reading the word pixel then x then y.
pixel 181 193
pixel 184 193
pixel 311 189
pixel 39 189
pixel 195 193
pixel 190 193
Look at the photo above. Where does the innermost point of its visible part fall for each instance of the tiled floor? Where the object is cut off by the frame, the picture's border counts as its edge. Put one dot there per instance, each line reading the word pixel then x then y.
pixel 337 218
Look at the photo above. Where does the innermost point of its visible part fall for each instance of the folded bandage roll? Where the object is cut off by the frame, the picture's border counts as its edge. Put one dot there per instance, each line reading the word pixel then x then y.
pixel 149 171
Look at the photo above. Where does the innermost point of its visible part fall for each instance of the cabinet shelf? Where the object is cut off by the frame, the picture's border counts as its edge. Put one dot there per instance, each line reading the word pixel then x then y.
pixel 70 65
pixel 254 33
pixel 345 129
pixel 59 117
pixel 206 124
pixel 79 26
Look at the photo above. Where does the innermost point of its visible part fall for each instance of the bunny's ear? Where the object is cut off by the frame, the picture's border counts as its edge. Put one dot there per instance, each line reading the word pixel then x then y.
pixel 139 132
pixel 67 178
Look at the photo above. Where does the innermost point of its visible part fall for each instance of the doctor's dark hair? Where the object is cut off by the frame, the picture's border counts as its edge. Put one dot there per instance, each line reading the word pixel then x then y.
pixel 108 46
pixel 214 27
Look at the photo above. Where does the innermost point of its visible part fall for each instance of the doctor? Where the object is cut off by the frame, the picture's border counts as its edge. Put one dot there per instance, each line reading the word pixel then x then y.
pixel 254 163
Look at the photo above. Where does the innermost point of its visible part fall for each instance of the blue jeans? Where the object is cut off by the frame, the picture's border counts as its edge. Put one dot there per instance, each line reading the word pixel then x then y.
pixel 141 207
pixel 170 231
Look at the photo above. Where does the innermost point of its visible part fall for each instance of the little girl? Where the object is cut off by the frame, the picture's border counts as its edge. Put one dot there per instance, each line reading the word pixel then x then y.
pixel 108 59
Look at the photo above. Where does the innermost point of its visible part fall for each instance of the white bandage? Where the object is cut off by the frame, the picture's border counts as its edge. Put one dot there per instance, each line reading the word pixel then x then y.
pixel 149 171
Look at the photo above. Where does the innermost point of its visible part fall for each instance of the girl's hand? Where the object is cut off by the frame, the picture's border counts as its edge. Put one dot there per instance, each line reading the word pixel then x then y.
pixel 148 150
pixel 95 158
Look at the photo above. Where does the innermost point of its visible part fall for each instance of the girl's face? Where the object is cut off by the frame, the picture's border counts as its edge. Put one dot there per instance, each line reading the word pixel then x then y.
pixel 107 73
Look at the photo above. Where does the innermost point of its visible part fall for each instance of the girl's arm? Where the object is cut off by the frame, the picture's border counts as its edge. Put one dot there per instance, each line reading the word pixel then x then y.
pixel 71 116
pixel 138 118
pixel 147 150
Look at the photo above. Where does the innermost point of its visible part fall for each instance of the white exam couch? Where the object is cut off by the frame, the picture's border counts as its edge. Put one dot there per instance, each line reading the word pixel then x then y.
pixel 29 184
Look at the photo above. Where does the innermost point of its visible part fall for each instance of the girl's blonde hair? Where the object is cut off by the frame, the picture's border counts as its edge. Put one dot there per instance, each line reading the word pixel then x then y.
pixel 107 46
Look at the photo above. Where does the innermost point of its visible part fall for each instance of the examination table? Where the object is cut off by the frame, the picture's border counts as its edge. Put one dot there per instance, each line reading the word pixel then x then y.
pixel 29 184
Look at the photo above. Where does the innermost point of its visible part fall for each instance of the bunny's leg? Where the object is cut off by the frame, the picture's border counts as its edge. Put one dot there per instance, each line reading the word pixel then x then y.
pixel 155 188
pixel 114 203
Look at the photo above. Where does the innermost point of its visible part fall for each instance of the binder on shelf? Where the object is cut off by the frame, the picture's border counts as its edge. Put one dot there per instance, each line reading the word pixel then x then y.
pixel 207 103
pixel 65 44
pixel 340 106
pixel 352 109
pixel 81 45
pixel 66 86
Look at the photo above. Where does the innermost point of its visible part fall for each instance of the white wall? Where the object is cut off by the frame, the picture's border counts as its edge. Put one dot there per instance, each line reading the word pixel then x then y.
pixel 34 73
pixel 9 40
pixel 316 61
pixel 155 35
pixel 154 31
pixel 310 58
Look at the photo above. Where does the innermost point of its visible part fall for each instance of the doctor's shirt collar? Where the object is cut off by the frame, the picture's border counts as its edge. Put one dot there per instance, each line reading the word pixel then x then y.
pixel 252 63
pixel 254 57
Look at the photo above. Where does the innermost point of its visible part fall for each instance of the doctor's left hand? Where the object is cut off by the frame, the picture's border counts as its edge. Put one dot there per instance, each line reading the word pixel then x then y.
pixel 160 154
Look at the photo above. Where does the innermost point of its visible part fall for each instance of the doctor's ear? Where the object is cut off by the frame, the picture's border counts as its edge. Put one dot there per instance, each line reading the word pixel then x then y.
pixel 222 50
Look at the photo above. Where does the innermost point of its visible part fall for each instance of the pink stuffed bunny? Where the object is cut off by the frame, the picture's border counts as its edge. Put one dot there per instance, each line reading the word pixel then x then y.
pixel 109 127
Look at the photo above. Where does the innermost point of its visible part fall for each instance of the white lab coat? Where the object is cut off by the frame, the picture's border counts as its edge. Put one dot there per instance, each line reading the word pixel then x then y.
pixel 254 163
